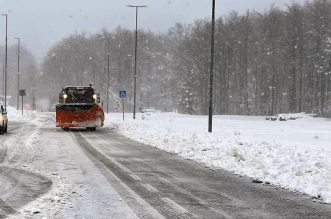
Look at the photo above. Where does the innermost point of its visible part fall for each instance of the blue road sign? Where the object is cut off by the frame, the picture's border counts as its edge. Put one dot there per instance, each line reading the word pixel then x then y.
pixel 122 93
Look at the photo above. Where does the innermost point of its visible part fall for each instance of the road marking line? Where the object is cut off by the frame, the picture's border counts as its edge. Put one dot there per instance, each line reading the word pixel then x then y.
pixel 165 199
pixel 106 145
pixel 150 188
pixel 109 158
pixel 121 166
pixel 144 204
pixel 135 177
pixel 174 205
pixel 199 200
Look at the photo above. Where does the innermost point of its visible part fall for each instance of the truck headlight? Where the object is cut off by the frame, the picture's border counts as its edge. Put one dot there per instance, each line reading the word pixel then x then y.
pixel 65 96
pixel 94 96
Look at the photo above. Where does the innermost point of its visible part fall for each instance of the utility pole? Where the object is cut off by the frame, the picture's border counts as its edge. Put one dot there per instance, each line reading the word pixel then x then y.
pixel 135 59
pixel 6 60
pixel 3 78
pixel 22 105
pixel 108 71
pixel 18 71
pixel 33 102
pixel 211 75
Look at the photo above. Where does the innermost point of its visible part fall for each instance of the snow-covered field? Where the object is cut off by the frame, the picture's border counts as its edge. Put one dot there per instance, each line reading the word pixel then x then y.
pixel 293 154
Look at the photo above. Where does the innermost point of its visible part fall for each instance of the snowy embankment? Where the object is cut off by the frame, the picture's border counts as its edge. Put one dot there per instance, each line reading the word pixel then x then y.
pixel 14 115
pixel 293 154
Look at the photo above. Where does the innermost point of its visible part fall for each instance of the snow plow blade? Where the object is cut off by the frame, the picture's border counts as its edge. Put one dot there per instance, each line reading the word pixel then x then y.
pixel 79 115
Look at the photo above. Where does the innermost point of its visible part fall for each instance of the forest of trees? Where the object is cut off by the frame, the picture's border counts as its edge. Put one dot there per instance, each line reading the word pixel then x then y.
pixel 278 61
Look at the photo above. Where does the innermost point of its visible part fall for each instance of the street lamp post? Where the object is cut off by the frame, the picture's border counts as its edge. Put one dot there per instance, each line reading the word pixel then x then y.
pixel 108 72
pixel 107 57
pixel 3 77
pixel 211 75
pixel 6 60
pixel 135 58
pixel 18 70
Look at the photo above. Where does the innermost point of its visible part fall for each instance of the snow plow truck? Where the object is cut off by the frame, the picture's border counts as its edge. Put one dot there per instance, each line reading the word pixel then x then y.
pixel 78 107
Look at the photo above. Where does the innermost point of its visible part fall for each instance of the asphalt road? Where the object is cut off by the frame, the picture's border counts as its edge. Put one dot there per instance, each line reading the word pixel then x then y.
pixel 155 184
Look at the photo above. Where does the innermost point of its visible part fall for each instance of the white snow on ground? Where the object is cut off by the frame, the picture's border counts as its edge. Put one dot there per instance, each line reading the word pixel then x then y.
pixel 79 190
pixel 14 115
pixel 293 154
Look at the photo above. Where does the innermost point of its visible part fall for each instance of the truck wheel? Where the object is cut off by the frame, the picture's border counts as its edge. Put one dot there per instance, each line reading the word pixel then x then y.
pixel 66 129
pixel 91 128
pixel 5 130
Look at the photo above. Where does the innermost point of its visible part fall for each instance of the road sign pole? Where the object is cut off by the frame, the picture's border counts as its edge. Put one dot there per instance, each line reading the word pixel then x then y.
pixel 22 104
pixel 123 107
pixel 122 96
pixel 22 93
pixel 33 106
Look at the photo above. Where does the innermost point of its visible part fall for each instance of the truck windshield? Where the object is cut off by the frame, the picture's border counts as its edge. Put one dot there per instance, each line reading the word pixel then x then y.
pixel 79 95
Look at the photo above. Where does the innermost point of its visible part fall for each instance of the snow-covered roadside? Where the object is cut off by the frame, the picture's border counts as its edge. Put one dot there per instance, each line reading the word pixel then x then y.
pixel 15 115
pixel 78 190
pixel 25 154
pixel 292 154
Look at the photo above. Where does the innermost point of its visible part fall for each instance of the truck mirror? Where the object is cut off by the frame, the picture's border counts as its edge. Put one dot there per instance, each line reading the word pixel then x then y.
pixel 61 97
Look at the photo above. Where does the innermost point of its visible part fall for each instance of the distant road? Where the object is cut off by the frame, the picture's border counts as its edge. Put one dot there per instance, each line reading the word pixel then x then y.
pixel 152 181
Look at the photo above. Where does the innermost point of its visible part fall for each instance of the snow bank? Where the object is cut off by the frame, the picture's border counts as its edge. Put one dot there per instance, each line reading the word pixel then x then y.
pixel 292 154
pixel 13 114
pixel 16 115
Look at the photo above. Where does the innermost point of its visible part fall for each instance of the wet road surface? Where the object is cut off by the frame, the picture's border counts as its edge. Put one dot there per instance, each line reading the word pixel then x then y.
pixel 152 181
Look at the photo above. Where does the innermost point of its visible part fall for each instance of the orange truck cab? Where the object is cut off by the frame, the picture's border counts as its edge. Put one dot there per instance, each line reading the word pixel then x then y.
pixel 78 107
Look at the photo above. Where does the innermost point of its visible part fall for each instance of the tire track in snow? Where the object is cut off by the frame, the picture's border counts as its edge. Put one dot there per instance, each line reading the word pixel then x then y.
pixel 3 153
pixel 5 137
pixel 18 187
pixel 143 208
pixel 5 209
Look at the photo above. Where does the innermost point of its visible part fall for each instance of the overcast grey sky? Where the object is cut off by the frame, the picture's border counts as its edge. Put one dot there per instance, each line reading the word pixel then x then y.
pixel 41 23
